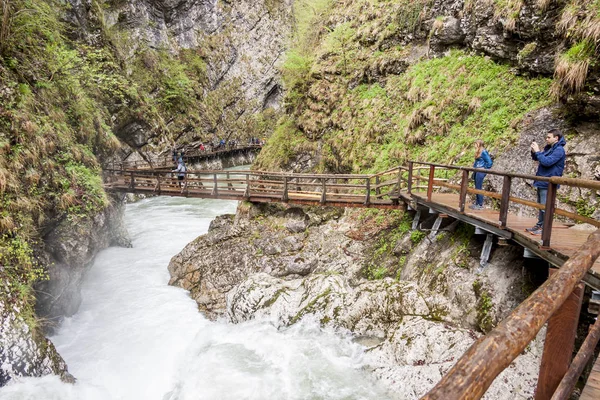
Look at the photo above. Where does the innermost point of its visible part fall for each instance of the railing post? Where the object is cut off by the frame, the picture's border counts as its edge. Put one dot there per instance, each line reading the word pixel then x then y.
pixel 158 183
pixel 132 182
pixel 399 180
pixel 504 202
pixel 430 182
pixel 549 214
pixel 284 197
pixel 464 184
pixel 377 189
pixel 247 191
pixel 368 194
pixel 229 185
pixel 410 177
pixel 324 192
pixel 215 191
pixel 185 184
pixel 559 344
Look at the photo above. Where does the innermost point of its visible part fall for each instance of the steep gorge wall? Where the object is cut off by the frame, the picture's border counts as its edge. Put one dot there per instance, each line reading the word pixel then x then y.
pixel 389 81
pixel 87 82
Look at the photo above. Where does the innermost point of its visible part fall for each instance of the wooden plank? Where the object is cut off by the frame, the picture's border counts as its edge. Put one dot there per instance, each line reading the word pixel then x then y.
pixel 559 344
pixel 591 391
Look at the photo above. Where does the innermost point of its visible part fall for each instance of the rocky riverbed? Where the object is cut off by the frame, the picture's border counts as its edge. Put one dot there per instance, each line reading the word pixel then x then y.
pixel 416 301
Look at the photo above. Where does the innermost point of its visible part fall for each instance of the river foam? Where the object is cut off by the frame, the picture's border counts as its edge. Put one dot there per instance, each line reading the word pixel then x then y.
pixel 135 337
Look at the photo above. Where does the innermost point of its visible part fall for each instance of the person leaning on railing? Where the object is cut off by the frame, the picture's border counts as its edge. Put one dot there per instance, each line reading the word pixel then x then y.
pixel 482 160
pixel 551 163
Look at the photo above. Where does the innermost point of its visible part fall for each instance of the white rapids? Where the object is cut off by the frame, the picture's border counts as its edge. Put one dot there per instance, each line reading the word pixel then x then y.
pixel 135 337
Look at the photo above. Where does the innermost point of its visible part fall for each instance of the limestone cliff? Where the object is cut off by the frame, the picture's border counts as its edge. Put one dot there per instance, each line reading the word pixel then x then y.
pixel 83 83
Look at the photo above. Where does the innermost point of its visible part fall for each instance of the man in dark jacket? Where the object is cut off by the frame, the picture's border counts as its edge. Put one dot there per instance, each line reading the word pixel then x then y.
pixel 551 163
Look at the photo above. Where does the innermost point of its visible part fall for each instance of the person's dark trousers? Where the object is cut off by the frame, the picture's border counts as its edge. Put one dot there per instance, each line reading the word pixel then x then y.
pixel 479 185
pixel 542 194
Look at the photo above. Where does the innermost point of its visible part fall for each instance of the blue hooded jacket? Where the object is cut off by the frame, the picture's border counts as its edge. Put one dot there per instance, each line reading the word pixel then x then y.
pixel 551 161
pixel 483 161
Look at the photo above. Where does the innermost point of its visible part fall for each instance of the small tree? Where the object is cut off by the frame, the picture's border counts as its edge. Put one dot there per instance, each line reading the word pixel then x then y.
pixel 340 40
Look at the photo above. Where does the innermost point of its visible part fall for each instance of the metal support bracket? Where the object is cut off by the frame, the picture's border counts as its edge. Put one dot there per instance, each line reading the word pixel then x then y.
pixel 416 220
pixel 435 227
pixel 485 252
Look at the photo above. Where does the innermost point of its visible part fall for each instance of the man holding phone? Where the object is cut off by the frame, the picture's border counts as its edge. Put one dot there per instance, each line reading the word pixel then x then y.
pixel 551 163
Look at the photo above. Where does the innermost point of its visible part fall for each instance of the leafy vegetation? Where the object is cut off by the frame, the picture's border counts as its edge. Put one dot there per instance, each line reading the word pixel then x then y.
pixel 345 106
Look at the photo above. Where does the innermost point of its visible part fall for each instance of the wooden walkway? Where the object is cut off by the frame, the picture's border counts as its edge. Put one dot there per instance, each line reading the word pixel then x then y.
pixel 592 387
pixel 196 155
pixel 565 239
pixel 442 195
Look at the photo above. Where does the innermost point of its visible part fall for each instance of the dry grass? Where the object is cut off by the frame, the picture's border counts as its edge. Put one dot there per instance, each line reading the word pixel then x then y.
pixel 437 26
pixel 7 223
pixel 542 5
pixel 568 20
pixel 416 119
pixel 569 77
pixel 66 200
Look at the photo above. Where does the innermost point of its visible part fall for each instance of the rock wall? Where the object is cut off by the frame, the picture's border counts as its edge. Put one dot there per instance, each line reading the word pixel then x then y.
pixel 68 250
pixel 416 302
pixel 23 351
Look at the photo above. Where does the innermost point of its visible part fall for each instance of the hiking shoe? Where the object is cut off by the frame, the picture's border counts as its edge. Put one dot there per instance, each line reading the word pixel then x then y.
pixel 533 228
pixel 476 207
pixel 537 231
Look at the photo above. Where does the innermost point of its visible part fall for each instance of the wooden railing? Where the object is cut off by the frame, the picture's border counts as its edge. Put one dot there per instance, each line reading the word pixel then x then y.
pixel 490 355
pixel 505 196
pixel 350 189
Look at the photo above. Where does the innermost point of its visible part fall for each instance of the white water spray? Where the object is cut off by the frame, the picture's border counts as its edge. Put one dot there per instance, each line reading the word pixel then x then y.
pixel 135 337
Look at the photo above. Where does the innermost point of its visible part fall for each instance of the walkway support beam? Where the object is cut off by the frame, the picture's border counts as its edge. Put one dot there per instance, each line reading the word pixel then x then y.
pixel 487 357
pixel 464 185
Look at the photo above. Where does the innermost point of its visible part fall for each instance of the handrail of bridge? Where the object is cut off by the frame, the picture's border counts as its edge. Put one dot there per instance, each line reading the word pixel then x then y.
pixel 167 158
pixel 505 197
pixel 475 371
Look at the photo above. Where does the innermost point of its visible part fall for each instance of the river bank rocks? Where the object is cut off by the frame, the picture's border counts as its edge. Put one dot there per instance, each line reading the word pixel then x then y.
pixel 416 301
pixel 68 249
pixel 23 351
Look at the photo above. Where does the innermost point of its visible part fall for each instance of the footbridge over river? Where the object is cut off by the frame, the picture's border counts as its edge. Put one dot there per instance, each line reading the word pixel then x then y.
pixel 441 190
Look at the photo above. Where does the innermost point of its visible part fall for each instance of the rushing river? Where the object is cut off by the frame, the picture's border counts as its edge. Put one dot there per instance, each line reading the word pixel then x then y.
pixel 135 337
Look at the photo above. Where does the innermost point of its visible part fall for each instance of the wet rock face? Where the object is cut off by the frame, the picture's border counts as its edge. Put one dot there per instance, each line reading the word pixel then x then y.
pixel 68 250
pixel 22 351
pixel 260 264
pixel 530 42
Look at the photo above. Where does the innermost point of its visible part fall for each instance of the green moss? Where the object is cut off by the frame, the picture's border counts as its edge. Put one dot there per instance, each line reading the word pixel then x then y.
pixel 312 305
pixel 416 236
pixel 484 307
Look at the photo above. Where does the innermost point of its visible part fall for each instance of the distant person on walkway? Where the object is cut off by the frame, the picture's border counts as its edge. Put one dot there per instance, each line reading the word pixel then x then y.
pixel 482 160
pixel 180 171
pixel 551 162
pixel 202 148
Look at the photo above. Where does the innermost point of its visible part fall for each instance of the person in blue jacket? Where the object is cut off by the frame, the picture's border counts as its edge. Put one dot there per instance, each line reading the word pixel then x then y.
pixel 551 163
pixel 482 160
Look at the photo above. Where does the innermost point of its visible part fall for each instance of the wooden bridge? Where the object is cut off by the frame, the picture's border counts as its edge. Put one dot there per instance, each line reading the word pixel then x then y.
pixel 190 157
pixel 442 190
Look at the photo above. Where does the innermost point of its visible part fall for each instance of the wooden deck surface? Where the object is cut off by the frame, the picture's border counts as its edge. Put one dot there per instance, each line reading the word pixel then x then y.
pixel 565 239
pixel 592 387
